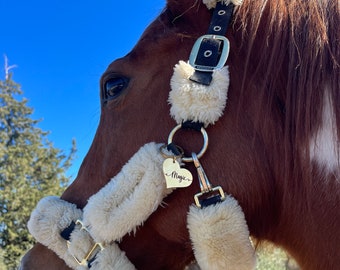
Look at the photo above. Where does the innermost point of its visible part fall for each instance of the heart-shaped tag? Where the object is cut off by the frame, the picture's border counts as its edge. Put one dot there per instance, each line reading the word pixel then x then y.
pixel 175 176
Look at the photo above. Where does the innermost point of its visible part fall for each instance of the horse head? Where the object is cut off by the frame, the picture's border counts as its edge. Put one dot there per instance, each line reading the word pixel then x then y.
pixel 267 149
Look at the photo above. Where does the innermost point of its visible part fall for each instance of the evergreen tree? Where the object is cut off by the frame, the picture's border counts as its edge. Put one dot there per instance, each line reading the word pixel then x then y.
pixel 30 168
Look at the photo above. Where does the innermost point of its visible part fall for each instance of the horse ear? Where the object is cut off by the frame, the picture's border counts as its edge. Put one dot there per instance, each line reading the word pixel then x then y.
pixel 220 236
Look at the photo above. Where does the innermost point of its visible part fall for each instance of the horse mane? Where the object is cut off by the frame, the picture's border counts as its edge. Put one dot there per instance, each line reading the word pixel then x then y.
pixel 293 46
pixel 285 55
pixel 300 38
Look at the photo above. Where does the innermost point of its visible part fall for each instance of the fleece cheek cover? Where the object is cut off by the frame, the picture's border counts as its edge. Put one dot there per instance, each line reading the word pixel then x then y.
pixel 196 102
pixel 220 237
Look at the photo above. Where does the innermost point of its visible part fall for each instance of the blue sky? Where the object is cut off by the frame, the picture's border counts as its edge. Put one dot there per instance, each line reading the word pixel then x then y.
pixel 61 48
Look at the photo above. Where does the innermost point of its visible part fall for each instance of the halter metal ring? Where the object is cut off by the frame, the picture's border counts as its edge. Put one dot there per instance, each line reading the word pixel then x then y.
pixel 205 142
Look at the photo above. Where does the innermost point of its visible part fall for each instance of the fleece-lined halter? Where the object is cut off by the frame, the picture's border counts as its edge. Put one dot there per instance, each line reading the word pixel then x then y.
pixel 217 227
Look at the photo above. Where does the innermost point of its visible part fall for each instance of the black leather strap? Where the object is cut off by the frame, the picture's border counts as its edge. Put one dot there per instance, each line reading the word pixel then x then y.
pixel 221 19
pixel 210 201
pixel 218 26
pixel 174 149
pixel 192 125
pixel 201 77
pixel 66 233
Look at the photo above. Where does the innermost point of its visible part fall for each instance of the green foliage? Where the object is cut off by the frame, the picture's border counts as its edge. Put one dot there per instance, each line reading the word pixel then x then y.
pixel 30 168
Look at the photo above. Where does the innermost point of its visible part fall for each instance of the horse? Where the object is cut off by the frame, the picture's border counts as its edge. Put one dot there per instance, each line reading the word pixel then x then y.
pixel 275 149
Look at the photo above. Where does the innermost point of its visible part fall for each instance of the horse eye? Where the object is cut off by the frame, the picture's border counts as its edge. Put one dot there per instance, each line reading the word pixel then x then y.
pixel 113 87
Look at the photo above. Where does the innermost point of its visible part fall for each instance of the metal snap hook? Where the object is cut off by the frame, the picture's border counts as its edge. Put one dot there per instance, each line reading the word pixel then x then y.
pixel 202 177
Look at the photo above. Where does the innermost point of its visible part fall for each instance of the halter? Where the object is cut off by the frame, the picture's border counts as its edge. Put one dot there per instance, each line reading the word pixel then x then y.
pixel 84 239
pixel 198 98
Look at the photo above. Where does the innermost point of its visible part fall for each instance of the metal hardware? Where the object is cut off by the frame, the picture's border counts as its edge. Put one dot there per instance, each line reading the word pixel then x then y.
pixel 202 177
pixel 213 190
pixel 97 247
pixel 205 185
pixel 82 226
pixel 223 57
pixel 205 142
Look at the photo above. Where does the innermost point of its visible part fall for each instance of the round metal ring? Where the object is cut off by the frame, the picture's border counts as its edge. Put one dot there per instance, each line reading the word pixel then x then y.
pixel 200 153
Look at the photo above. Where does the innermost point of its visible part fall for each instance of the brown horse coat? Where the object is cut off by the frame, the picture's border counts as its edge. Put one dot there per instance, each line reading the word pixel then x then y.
pixel 276 148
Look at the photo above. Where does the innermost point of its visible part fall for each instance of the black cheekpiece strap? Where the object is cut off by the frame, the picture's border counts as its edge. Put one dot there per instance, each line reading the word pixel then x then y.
pixel 210 49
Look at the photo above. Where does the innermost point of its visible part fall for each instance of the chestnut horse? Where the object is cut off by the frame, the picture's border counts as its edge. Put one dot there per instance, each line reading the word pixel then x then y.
pixel 275 149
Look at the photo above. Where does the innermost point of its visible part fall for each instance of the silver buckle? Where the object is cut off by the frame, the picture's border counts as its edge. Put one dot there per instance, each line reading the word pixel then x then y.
pixel 223 57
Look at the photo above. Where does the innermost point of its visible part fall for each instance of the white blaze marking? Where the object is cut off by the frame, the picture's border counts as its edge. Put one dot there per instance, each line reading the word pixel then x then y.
pixel 324 144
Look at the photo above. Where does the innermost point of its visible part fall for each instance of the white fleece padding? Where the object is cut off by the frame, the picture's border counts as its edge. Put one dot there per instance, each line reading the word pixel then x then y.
pixel 117 209
pixel 51 216
pixel 129 198
pixel 48 219
pixel 220 237
pixel 219 233
pixel 197 102
pixel 112 258
pixel 212 3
